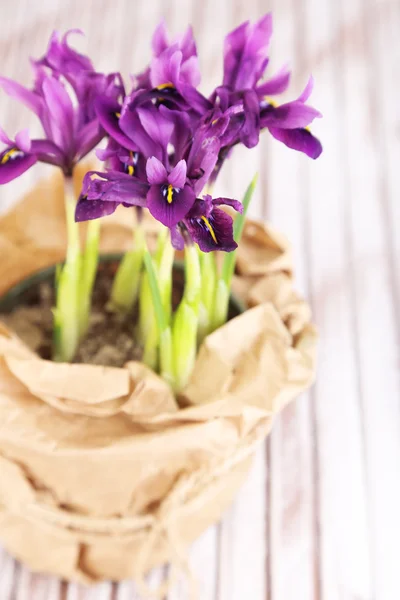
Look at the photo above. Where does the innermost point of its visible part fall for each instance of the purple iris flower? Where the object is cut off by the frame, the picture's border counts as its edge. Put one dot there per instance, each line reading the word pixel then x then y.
pixel 170 187
pixel 174 63
pixel 65 88
pixel 246 98
pixel 167 140
pixel 169 198
pixel 209 226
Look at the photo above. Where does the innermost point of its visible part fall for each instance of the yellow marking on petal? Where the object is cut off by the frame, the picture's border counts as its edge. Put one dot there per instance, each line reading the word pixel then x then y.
pixel 8 155
pixel 210 229
pixel 118 115
pixel 131 168
pixel 307 129
pixel 170 194
pixel 215 121
pixel 164 86
pixel 271 102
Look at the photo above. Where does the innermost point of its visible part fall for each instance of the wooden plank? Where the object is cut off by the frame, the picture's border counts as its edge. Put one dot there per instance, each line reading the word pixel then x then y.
pixel 8 575
pixel 376 308
pixel 291 469
pixel 343 504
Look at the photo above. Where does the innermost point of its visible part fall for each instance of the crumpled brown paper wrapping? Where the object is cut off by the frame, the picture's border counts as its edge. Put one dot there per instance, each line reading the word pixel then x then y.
pixel 102 475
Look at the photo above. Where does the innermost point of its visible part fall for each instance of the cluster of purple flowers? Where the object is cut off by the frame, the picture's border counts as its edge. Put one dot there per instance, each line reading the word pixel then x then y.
pixel 166 140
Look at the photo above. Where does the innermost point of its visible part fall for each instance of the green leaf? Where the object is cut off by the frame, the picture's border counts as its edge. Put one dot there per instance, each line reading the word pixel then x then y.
pixel 228 266
pixel 155 292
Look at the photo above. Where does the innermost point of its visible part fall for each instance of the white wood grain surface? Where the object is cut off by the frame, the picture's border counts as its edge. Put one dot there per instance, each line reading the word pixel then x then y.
pixel 319 517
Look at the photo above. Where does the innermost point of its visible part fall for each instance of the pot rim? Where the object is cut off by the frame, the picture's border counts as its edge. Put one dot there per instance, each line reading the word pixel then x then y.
pixel 10 299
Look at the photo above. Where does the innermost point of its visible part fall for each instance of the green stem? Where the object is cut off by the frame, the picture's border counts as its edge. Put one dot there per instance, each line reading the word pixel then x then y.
pixel 186 321
pixel 163 264
pixel 66 322
pixel 148 329
pixel 164 330
pixel 90 261
pixel 209 276
pixel 125 287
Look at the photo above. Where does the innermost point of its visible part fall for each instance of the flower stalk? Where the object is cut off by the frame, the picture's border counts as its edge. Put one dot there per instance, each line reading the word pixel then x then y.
pixel 209 281
pixel 186 321
pixel 89 265
pixel 66 319
pixel 164 329
pixel 125 289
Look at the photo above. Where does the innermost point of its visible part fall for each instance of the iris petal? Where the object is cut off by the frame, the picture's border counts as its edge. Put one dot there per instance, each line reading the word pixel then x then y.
pixel 250 132
pixel 298 139
pixel 114 186
pixel 107 111
pixel 25 96
pixel 177 177
pixel 292 115
pixel 13 163
pixel 214 232
pixel 87 210
pixel 155 171
pixel 276 85
pixel 169 213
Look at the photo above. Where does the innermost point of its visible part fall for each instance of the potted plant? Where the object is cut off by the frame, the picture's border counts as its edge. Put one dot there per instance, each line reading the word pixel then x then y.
pixel 139 385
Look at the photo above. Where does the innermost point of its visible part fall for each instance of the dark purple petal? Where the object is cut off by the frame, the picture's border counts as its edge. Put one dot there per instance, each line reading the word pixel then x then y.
pixel 204 151
pixel 114 186
pixel 25 96
pixel 275 85
pixel 292 115
pixel 109 113
pixel 235 204
pixel 169 205
pixel 87 210
pixel 298 139
pixel 250 131
pixel 177 177
pixel 13 163
pixel 214 232
pixel 201 207
pixel 156 172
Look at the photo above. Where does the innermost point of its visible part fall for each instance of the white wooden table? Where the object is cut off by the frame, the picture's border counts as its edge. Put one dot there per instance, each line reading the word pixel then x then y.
pixel 319 517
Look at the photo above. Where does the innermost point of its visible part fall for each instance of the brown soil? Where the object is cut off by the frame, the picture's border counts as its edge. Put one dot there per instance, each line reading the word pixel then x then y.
pixel 110 340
